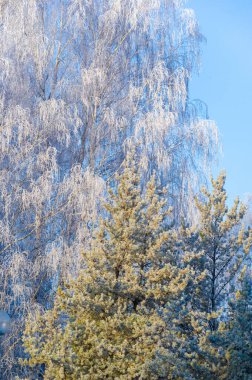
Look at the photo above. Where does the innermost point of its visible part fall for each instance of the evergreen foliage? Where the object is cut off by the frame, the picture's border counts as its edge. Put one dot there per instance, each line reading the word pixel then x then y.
pixel 219 247
pixel 111 322
pixel 234 336
pixel 144 305
pixel 224 243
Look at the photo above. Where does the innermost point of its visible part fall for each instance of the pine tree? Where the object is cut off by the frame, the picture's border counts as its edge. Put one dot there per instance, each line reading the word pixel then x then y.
pixel 224 244
pixel 234 336
pixel 116 320
pixel 218 246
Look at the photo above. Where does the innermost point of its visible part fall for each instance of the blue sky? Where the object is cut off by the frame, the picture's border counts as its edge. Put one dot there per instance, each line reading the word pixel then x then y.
pixel 225 84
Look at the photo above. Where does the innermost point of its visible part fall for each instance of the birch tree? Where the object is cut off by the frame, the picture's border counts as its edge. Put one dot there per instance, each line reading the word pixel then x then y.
pixel 81 82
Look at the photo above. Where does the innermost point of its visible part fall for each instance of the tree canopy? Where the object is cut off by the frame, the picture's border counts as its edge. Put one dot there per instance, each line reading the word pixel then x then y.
pixel 137 309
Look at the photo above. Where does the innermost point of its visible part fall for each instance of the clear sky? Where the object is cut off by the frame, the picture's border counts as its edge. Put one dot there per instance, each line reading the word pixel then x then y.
pixel 225 83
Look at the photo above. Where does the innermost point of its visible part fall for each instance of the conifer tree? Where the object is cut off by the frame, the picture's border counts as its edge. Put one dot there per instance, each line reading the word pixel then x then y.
pixel 234 336
pixel 115 320
pixel 219 245
pixel 224 244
